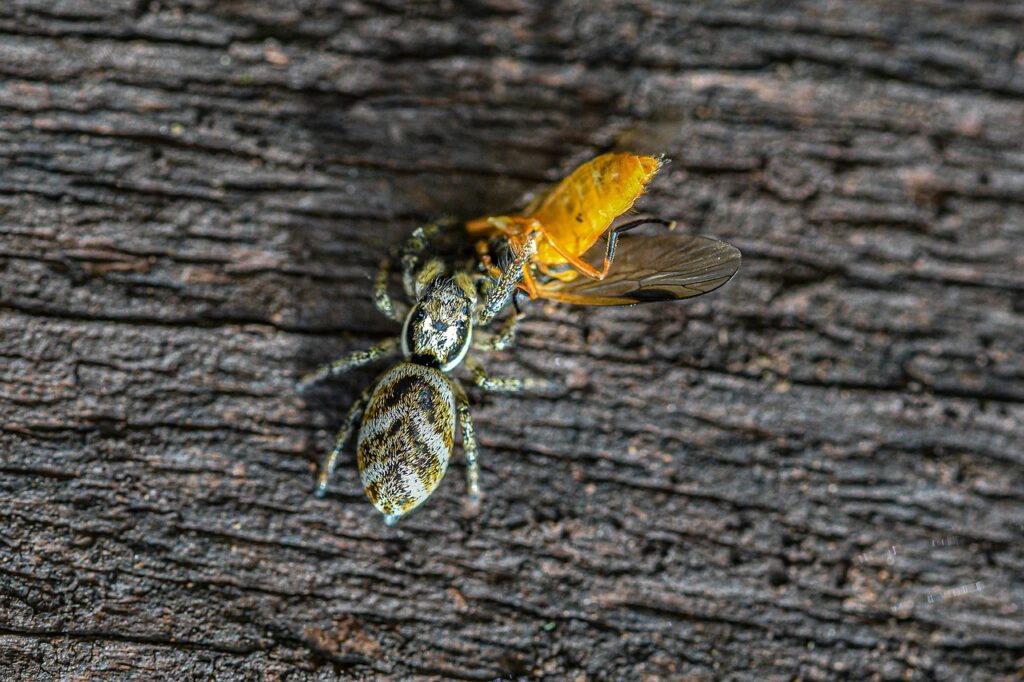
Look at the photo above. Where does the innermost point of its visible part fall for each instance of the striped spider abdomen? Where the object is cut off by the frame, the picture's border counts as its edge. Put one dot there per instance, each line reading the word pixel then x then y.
pixel 406 438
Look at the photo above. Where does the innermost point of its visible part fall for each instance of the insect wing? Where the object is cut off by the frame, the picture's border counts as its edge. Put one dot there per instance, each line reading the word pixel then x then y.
pixel 649 268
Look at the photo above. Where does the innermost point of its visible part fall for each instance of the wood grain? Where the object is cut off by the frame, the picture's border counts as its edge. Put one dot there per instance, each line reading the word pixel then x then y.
pixel 816 472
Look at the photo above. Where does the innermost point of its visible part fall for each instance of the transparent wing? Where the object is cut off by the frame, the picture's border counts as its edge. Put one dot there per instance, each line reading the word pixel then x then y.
pixel 648 268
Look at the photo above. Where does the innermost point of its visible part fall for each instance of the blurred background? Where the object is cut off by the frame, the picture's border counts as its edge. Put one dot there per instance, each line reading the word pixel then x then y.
pixel 815 472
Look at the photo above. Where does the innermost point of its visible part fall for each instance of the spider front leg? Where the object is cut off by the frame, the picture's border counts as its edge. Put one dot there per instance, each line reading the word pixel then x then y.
pixel 386 304
pixel 498 297
pixel 351 361
pixel 331 460
pixel 413 249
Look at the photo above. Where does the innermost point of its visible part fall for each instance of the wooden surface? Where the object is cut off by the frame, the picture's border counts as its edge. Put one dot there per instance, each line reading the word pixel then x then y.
pixel 815 472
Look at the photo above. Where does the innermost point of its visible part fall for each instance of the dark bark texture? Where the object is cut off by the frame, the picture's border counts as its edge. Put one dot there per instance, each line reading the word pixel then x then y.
pixel 816 472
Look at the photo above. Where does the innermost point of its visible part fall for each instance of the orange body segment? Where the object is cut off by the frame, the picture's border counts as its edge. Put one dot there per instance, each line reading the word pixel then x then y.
pixel 574 215
pixel 582 207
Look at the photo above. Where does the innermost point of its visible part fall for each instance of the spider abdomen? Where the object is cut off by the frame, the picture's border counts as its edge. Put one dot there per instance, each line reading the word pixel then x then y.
pixel 406 438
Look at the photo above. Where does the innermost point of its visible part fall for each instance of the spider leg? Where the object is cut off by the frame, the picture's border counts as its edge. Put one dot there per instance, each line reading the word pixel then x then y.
pixel 412 251
pixel 331 460
pixel 468 446
pixel 386 304
pixel 498 297
pixel 504 338
pixel 351 361
pixel 490 383
pixel 495 384
pixel 483 283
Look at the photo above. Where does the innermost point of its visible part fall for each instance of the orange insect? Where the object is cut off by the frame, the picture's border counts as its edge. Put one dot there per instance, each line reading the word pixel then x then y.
pixel 569 220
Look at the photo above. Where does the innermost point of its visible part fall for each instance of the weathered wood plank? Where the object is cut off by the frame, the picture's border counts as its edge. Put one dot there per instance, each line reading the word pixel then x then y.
pixel 817 471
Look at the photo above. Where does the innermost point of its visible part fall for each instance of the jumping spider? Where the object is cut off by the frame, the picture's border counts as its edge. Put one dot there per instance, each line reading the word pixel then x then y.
pixel 410 412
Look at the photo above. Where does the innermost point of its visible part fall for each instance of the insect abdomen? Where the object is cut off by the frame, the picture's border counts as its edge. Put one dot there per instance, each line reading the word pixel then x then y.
pixel 406 437
pixel 582 207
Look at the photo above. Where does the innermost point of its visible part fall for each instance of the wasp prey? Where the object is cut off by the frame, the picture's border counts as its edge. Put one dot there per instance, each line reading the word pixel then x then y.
pixel 409 415
pixel 567 223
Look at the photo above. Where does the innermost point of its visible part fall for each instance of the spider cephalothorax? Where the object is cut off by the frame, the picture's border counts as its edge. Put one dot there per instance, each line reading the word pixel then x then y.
pixel 439 328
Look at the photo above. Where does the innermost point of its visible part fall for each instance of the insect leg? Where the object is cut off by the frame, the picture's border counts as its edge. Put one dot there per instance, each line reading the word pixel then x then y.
pixel 350 361
pixel 613 240
pixel 396 310
pixel 529 284
pixel 504 338
pixel 331 460
pixel 483 256
pixel 468 445
pixel 613 237
pixel 519 299
pixel 498 297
